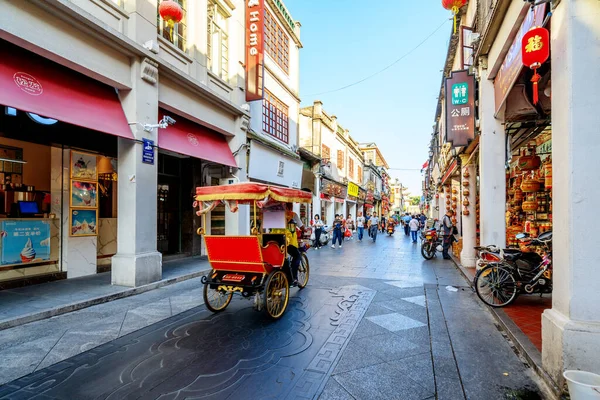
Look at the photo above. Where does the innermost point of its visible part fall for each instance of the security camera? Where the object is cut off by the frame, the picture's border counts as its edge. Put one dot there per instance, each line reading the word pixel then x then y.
pixel 169 120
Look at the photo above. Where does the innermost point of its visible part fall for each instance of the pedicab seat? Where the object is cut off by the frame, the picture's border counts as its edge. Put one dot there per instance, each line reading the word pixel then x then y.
pixel 244 253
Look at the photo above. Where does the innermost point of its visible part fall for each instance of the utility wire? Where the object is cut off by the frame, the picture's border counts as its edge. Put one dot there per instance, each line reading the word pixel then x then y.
pixel 386 68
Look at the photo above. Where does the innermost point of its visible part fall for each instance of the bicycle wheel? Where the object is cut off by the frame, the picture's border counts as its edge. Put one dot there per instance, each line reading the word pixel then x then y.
pixel 428 250
pixel 276 294
pixel 303 272
pixel 216 300
pixel 496 286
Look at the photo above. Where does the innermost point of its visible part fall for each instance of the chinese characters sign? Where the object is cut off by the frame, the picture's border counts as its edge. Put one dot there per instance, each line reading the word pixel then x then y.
pixel 352 189
pixel 255 30
pixel 460 108
pixel 24 241
pixel 536 47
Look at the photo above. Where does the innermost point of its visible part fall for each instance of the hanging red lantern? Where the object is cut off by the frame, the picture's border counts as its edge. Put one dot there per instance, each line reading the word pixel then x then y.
pixel 454 6
pixel 171 12
pixel 535 50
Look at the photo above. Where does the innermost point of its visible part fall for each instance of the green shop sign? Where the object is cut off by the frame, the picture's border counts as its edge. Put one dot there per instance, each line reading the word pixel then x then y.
pixel 285 13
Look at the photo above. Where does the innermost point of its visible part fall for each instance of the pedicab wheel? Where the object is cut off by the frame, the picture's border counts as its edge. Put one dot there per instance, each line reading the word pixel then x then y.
pixel 428 250
pixel 216 300
pixel 303 272
pixel 276 294
pixel 496 286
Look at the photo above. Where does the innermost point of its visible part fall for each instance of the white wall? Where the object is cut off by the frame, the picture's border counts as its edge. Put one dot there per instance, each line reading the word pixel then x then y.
pixel 264 165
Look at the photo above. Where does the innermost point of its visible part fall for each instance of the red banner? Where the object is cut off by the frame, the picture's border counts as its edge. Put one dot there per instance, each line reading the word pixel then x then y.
pixel 255 32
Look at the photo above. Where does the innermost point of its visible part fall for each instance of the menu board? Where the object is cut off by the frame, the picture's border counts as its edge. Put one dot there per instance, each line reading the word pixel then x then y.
pixel 24 241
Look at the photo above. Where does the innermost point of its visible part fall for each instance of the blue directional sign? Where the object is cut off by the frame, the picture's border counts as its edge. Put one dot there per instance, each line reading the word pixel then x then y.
pixel 148 152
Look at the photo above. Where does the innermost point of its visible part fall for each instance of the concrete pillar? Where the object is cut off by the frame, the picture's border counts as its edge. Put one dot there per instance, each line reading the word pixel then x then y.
pixel 469 222
pixel 238 223
pixel 317 197
pixel 137 261
pixel 492 160
pixel 571 329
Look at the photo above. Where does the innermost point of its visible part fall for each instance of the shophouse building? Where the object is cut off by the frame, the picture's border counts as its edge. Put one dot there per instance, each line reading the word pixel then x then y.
pixel 88 178
pixel 340 185
pixel 499 175
pixel 273 135
pixel 377 175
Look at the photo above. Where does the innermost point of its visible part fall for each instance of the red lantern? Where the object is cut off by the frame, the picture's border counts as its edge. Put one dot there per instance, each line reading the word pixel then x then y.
pixel 535 50
pixel 171 12
pixel 454 6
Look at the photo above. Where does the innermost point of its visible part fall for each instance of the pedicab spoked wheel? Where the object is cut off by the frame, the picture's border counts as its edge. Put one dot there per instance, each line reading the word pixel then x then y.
pixel 276 294
pixel 428 250
pixel 496 285
pixel 216 300
pixel 303 272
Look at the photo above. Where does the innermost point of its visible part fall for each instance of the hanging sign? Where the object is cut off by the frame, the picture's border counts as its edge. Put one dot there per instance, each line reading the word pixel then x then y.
pixel 255 30
pixel 460 108
pixel 535 50
pixel 352 189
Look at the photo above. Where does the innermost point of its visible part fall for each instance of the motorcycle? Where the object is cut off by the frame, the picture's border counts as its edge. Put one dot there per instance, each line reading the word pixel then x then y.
pixel 391 229
pixel 519 271
pixel 431 242
pixel 324 239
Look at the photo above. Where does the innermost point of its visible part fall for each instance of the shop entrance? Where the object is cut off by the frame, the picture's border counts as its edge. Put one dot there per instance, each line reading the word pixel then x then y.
pixel 168 208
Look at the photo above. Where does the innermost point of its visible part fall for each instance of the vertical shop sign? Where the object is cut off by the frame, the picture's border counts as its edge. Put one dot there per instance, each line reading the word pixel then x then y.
pixel 512 66
pixel 148 151
pixel 460 108
pixel 255 30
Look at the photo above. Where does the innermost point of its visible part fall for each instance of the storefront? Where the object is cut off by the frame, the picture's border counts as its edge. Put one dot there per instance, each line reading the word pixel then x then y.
pixel 58 170
pixel 336 194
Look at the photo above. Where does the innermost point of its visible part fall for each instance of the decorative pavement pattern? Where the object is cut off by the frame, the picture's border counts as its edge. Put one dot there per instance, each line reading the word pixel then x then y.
pixel 375 322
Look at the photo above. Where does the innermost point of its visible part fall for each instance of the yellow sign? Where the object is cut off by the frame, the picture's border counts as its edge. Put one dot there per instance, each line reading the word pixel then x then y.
pixel 352 189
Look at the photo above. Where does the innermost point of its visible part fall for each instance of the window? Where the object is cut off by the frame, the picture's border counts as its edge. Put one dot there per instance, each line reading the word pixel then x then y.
pixel 277 42
pixel 360 174
pixel 467 46
pixel 350 168
pixel 340 159
pixel 325 153
pixel 175 34
pixel 275 117
pixel 218 42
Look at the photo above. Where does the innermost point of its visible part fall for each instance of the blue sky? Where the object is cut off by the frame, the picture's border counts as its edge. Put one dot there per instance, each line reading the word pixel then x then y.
pixel 347 40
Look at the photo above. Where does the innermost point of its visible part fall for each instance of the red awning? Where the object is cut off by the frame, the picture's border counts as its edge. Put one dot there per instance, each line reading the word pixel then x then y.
pixel 35 84
pixel 189 138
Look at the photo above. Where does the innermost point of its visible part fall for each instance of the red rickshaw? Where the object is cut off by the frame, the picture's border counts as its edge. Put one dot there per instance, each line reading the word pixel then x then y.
pixel 256 266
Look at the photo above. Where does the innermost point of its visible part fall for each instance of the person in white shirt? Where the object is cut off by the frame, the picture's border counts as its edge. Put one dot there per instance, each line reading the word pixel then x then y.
pixel 414 226
pixel 360 224
pixel 374 226
pixel 317 224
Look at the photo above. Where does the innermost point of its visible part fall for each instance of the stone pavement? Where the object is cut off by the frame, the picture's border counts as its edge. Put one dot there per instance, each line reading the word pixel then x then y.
pixel 375 322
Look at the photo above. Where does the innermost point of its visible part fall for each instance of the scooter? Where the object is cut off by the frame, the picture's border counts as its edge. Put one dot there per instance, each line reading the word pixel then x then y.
pixel 324 239
pixel 390 229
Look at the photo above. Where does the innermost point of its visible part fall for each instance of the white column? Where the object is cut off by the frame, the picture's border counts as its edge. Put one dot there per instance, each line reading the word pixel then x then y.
pixel 137 261
pixel 571 329
pixel 238 223
pixel 492 159
pixel 469 225
pixel 317 197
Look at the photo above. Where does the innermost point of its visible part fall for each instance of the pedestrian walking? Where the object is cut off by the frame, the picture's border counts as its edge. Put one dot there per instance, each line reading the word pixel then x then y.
pixel 382 224
pixel 350 227
pixel 406 219
pixel 374 226
pixel 414 226
pixel 360 224
pixel 317 225
pixel 448 230
pixel 337 231
pixel 423 220
pixel 368 224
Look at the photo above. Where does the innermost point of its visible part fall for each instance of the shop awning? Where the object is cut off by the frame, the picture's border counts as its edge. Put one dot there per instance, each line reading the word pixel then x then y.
pixel 450 171
pixel 37 85
pixel 189 138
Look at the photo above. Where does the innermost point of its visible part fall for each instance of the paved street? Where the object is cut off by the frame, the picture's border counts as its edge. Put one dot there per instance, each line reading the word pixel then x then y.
pixel 375 322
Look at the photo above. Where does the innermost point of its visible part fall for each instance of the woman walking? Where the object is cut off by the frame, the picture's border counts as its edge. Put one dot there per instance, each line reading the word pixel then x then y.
pixel 318 227
pixel 349 227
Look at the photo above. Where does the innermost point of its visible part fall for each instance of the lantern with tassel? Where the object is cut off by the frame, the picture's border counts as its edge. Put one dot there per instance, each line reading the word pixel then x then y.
pixel 454 6
pixel 171 12
pixel 535 50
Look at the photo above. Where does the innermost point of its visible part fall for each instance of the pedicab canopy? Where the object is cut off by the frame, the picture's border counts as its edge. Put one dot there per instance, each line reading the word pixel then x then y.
pixel 208 197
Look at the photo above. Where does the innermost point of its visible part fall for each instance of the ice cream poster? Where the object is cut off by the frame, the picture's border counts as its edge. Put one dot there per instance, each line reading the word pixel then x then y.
pixel 24 241
pixel 84 222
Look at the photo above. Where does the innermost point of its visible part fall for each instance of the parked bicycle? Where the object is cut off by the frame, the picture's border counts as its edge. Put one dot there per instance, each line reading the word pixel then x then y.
pixel 519 272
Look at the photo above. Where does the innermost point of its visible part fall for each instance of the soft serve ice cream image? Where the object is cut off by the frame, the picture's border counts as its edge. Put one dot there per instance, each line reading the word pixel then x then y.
pixel 28 252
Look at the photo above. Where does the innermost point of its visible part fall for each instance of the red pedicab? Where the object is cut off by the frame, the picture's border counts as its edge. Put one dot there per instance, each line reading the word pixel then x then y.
pixel 256 266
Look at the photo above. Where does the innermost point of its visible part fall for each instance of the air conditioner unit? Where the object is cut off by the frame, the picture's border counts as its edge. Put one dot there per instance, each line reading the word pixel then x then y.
pixel 227 181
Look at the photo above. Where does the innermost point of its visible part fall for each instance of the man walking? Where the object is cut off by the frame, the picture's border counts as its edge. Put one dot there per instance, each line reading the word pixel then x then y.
pixel 447 231
pixel 406 220
pixel 360 224
pixel 414 225
pixel 374 227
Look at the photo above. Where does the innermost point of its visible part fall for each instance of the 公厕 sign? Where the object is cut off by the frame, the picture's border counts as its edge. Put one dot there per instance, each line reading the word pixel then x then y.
pixel 255 30
pixel 460 108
